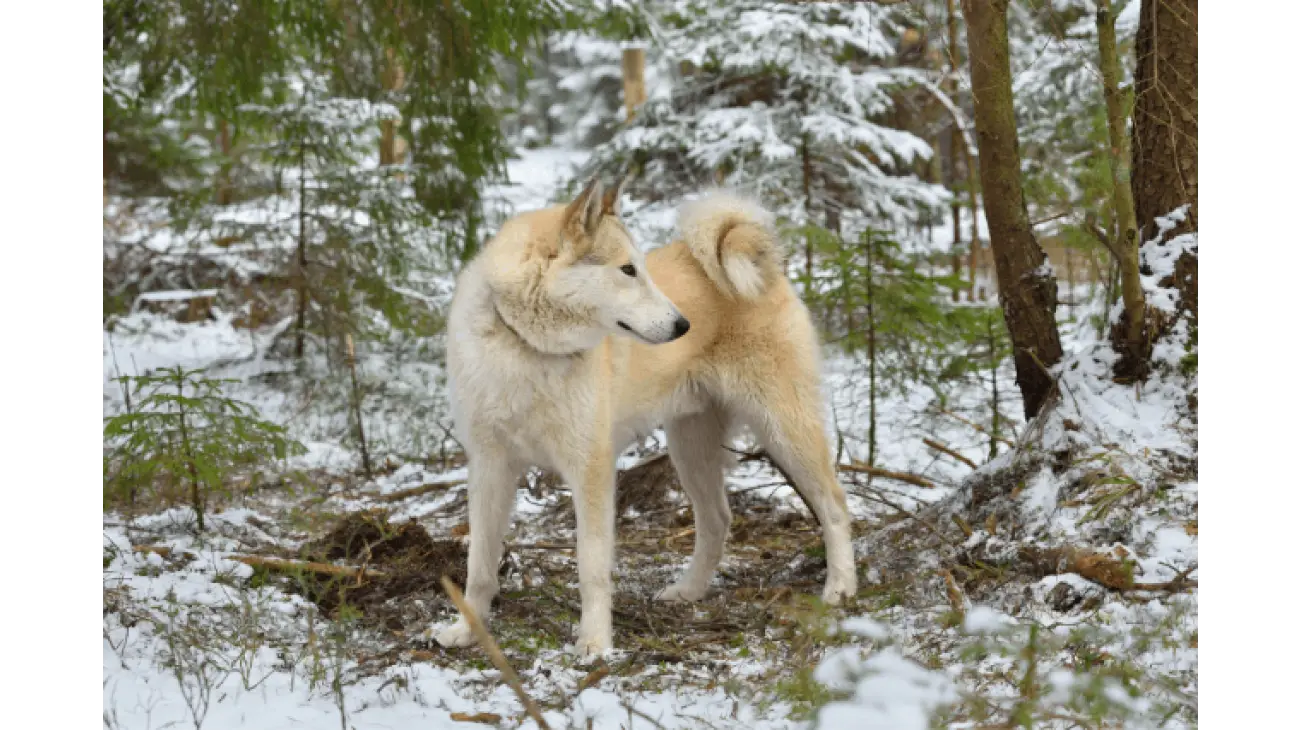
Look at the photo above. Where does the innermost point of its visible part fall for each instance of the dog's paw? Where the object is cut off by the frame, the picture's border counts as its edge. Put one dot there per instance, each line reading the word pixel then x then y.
pixel 682 593
pixel 593 647
pixel 839 590
pixel 455 636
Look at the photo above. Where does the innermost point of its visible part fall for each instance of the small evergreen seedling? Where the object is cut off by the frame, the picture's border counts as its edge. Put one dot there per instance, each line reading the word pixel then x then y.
pixel 182 438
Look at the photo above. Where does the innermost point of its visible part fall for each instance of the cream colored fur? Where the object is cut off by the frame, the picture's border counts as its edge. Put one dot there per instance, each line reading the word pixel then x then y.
pixel 557 358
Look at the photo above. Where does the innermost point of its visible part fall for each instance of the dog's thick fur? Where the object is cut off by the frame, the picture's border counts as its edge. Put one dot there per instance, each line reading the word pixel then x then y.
pixel 565 342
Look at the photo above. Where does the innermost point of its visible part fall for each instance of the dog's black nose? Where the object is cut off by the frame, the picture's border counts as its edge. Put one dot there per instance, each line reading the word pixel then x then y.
pixel 680 327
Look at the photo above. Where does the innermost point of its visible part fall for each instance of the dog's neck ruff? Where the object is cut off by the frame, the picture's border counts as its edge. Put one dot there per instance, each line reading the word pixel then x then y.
pixel 523 341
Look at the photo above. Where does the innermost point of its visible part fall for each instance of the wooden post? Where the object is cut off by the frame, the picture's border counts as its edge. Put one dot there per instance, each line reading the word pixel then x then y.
pixel 633 80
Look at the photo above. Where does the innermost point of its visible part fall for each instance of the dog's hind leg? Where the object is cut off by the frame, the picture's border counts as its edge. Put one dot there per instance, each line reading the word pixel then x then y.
pixel 695 446
pixel 492 480
pixel 794 435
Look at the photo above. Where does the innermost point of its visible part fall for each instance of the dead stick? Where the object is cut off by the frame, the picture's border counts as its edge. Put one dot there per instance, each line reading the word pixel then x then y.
pixel 494 652
pixel 860 468
pixel 593 679
pixel 956 597
pixel 963 525
pixel 949 451
pixel 417 491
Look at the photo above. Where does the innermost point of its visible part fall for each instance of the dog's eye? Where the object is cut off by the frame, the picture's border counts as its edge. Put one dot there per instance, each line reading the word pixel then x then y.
pixel 628 269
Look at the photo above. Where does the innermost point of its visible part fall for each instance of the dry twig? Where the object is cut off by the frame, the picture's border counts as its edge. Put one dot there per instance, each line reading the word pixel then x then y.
pixel 860 468
pixel 949 451
pixel 489 645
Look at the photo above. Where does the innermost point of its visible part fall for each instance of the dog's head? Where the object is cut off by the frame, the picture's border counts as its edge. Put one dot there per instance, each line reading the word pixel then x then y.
pixel 597 274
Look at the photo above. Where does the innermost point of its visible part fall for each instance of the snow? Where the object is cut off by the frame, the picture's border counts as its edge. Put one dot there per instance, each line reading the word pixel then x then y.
pixel 177 295
pixel 982 619
pixel 892 693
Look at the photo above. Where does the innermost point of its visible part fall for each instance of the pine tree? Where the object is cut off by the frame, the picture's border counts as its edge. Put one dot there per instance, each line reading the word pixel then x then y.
pixel 182 439
pixel 787 102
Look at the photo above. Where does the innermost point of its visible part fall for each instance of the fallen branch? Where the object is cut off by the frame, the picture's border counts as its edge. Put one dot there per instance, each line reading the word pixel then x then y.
pixel 1105 569
pixel 276 564
pixel 593 679
pixel 489 645
pixel 402 494
pixel 860 468
pixel 949 451
pixel 485 718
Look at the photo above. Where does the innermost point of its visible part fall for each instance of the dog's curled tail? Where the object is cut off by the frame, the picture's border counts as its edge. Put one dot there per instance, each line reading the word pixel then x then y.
pixel 734 239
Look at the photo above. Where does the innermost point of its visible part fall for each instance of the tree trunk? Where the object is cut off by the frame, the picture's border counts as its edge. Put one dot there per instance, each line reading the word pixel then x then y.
pixel 225 191
pixel 1164 113
pixel 300 326
pixel 391 148
pixel 1130 336
pixel 871 355
pixel 950 88
pixel 633 80
pixel 1164 129
pixel 974 215
pixel 806 164
pixel 1026 286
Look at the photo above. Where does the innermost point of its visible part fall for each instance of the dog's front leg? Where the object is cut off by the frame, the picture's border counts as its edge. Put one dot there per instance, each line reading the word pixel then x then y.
pixel 592 481
pixel 493 475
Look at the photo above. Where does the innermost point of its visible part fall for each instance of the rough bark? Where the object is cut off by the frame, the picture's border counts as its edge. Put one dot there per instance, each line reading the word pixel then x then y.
pixel 1130 336
pixel 1026 286
pixel 1164 128
pixel 1164 113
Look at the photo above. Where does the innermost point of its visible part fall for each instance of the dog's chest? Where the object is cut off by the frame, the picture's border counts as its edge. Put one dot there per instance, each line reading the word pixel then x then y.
pixel 517 397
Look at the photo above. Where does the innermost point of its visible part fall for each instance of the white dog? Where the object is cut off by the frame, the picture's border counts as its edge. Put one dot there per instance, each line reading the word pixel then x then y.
pixel 565 341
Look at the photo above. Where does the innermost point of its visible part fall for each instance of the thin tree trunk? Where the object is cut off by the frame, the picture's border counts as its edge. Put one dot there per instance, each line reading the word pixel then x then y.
pixel 1164 130
pixel 356 406
pixel 995 428
pixel 950 88
pixel 1069 281
pixel 974 213
pixel 1130 337
pixel 393 80
pixel 633 80
pixel 956 254
pixel 196 491
pixel 225 191
pixel 1026 285
pixel 807 208
pixel 300 326
pixel 871 356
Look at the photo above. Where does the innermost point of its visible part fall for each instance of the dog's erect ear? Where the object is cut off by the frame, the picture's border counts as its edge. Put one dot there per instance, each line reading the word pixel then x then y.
pixel 584 211
pixel 612 202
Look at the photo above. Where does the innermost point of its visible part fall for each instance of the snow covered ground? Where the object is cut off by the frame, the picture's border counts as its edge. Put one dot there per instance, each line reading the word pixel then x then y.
pixel 199 639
